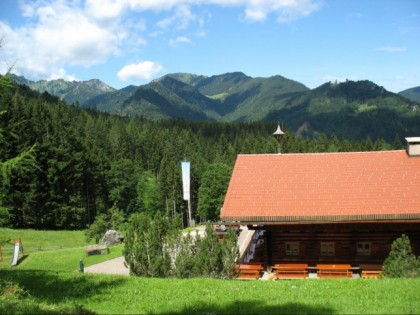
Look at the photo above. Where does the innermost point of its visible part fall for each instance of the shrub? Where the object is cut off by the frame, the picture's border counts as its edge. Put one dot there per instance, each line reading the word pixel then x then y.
pixel 230 254
pixel 401 262
pixel 10 289
pixel 208 259
pixel 154 248
pixel 145 248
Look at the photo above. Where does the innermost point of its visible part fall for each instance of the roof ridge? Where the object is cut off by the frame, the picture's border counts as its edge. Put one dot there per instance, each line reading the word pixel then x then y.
pixel 320 153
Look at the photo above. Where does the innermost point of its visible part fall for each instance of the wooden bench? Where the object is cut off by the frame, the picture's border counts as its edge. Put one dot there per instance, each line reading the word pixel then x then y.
pixel 370 271
pixel 96 250
pixel 334 271
pixel 249 271
pixel 290 271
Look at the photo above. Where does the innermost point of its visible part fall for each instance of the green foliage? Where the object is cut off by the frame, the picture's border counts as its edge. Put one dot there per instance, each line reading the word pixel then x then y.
pixel 71 91
pixel 230 254
pixel 87 162
pixel 401 262
pixel 148 194
pixel 122 179
pixel 11 290
pixel 156 248
pixel 208 258
pixel 114 219
pixel 183 250
pixel 212 191
pixel 412 94
pixel 98 228
pixel 352 109
pixel 145 243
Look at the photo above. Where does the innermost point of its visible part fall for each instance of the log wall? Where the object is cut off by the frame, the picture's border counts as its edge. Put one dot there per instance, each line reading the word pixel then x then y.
pixel 345 238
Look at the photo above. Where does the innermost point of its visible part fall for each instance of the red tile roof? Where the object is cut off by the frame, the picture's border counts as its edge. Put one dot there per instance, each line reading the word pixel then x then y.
pixel 355 186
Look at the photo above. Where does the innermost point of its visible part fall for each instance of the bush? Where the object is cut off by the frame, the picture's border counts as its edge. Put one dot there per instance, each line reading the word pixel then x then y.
pixel 401 262
pixel 114 220
pixel 208 259
pixel 97 229
pixel 145 248
pixel 10 289
pixel 155 248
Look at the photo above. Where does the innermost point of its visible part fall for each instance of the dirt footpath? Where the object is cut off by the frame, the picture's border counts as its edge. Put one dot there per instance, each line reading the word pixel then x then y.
pixel 113 266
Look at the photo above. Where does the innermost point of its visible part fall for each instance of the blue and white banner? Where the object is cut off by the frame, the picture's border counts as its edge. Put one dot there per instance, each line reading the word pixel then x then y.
pixel 185 166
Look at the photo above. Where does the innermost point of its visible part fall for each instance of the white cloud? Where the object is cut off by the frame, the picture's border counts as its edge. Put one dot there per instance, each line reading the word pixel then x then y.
pixel 60 35
pixel 182 18
pixel 145 70
pixel 179 40
pixel 64 33
pixel 106 10
pixel 255 10
pixel 391 49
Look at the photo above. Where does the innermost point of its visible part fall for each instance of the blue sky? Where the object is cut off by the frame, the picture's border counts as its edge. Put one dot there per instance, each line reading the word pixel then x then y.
pixel 123 42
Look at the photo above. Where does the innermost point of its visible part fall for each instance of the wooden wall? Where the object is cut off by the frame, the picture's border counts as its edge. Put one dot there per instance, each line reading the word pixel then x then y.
pixel 344 237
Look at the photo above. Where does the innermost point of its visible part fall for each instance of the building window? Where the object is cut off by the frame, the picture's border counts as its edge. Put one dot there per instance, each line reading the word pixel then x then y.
pixel 364 248
pixel 327 248
pixel 292 248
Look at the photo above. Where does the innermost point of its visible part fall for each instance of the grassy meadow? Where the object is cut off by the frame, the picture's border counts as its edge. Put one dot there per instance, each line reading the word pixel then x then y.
pixel 47 282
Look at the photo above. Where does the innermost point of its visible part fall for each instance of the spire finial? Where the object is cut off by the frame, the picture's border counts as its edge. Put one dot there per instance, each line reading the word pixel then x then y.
pixel 279 135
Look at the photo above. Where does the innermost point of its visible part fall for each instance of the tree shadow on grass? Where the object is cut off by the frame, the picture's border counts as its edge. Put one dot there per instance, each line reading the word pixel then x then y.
pixel 53 287
pixel 257 307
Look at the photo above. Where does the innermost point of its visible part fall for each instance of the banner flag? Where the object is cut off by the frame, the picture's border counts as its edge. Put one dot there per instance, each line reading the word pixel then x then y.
pixel 185 166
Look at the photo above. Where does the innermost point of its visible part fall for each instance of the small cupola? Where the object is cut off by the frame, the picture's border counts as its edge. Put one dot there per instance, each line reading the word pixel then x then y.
pixel 413 146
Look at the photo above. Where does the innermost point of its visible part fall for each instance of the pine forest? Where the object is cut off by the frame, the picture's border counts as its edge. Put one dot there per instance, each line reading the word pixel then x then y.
pixel 83 163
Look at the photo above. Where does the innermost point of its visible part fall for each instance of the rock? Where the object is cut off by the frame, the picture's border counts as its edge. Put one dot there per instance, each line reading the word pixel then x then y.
pixel 112 237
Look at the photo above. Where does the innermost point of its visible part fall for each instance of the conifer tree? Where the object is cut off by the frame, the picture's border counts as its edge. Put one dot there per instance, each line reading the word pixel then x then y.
pixel 208 259
pixel 146 246
pixel 230 254
pixel 401 262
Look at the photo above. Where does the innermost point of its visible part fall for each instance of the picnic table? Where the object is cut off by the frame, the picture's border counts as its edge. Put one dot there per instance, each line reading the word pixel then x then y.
pixel 370 270
pixel 290 271
pixel 249 271
pixel 335 270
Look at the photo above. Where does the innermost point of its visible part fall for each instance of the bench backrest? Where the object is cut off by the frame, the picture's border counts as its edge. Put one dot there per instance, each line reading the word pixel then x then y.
pixel 301 266
pixel 333 266
pixel 370 267
pixel 250 267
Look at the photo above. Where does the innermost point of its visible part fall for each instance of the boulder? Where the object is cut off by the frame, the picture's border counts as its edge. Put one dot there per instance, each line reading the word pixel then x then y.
pixel 112 237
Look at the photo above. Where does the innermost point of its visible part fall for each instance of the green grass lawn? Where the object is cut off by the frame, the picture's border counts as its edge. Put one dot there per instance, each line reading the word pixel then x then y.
pixel 51 250
pixel 47 282
pixel 49 292
pixel 35 239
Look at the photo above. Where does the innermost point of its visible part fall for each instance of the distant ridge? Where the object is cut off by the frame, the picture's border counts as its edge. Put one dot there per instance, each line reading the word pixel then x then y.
pixel 71 91
pixel 412 94
pixel 351 109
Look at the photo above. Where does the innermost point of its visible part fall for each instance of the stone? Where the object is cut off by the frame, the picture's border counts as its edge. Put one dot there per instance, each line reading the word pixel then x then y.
pixel 112 237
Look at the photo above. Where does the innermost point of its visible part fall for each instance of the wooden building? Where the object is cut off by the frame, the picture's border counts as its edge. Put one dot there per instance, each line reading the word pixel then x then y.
pixel 327 207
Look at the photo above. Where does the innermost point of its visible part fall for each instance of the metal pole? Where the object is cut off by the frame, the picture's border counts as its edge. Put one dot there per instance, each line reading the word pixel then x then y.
pixel 190 221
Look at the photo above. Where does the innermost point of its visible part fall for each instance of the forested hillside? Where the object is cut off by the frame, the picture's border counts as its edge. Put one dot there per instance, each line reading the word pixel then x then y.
pixel 351 109
pixel 412 94
pixel 90 162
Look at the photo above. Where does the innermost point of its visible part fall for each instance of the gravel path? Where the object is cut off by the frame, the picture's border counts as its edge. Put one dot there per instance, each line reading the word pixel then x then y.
pixel 113 266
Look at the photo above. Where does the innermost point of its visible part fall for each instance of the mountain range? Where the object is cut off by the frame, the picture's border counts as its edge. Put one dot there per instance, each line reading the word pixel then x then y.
pixel 351 109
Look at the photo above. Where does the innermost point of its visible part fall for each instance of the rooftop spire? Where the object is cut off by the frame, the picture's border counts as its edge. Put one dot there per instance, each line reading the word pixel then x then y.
pixel 279 135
